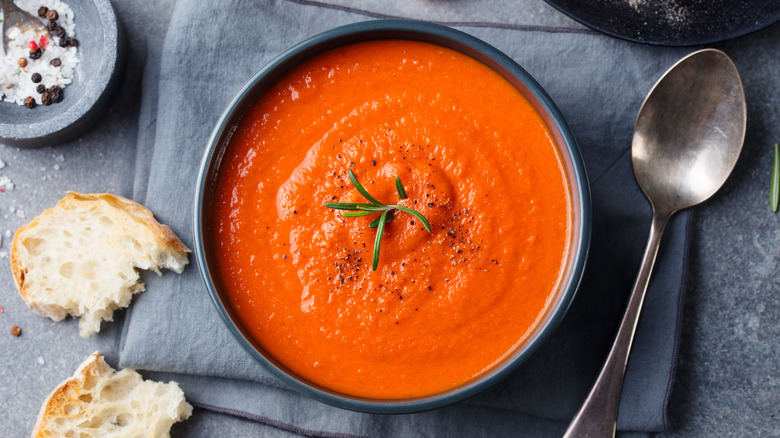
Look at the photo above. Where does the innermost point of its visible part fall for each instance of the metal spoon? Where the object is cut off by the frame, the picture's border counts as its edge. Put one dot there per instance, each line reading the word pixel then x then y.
pixel 687 138
pixel 15 16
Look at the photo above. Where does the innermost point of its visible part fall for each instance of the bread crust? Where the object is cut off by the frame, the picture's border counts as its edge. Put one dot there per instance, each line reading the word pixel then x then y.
pixel 68 392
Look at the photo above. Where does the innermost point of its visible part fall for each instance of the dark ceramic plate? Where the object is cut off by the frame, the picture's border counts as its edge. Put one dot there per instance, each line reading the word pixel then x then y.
pixel 672 22
pixel 101 50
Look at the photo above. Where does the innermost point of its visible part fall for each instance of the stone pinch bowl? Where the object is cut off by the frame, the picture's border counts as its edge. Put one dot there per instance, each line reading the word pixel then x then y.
pixel 101 51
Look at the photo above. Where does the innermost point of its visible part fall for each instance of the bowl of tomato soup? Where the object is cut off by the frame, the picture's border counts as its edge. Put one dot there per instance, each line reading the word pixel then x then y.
pixel 482 246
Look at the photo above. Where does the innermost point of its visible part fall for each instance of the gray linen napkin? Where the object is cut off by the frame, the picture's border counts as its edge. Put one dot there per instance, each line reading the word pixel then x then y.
pixel 597 82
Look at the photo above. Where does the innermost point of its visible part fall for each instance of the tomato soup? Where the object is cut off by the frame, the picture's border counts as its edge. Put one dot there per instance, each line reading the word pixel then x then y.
pixel 442 307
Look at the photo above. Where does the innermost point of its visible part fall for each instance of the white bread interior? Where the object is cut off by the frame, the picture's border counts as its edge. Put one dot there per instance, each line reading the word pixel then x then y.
pixel 81 257
pixel 99 402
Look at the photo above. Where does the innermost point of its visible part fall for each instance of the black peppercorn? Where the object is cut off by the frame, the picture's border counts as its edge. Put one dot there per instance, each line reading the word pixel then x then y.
pixel 40 88
pixel 36 54
pixel 42 11
pixel 36 77
pixel 56 94
pixel 29 102
pixel 73 42
pixel 63 41
pixel 56 62
pixel 60 33
pixel 46 97
pixel 52 15
pixel 51 25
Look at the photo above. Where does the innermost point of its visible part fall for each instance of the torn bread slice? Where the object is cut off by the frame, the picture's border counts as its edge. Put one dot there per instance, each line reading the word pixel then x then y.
pixel 81 257
pixel 99 402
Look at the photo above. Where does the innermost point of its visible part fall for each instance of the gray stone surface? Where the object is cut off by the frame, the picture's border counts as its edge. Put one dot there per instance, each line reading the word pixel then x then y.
pixel 727 379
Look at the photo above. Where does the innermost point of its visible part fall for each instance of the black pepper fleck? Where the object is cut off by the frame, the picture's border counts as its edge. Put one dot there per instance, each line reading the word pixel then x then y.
pixel 56 94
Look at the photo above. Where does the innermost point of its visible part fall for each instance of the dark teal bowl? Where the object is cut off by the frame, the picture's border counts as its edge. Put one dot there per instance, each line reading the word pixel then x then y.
pixel 417 31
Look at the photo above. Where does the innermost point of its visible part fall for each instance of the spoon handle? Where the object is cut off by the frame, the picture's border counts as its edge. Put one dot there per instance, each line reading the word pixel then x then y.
pixel 598 415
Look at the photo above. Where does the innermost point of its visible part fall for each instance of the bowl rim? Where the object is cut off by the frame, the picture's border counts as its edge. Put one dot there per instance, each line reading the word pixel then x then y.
pixel 464 43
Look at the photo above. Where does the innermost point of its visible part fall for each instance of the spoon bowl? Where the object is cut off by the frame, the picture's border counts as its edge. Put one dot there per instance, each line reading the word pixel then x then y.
pixel 683 149
pixel 687 138
pixel 14 16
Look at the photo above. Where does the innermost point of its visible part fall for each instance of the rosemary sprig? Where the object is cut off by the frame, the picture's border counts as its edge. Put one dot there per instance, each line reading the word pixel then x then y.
pixel 357 209
pixel 774 189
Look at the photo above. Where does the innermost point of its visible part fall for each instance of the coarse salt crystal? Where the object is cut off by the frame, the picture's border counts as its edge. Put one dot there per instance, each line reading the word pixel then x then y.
pixel 5 183
pixel 41 361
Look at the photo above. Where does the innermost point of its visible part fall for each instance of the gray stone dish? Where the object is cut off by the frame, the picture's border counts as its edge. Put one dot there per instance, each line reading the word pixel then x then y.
pixel 218 146
pixel 101 48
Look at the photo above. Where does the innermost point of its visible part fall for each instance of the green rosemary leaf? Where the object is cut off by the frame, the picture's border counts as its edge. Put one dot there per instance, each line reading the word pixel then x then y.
pixel 347 205
pixel 416 214
pixel 374 223
pixel 357 209
pixel 357 213
pixel 341 205
pixel 375 208
pixel 378 241
pixel 774 191
pixel 399 187
pixel 360 188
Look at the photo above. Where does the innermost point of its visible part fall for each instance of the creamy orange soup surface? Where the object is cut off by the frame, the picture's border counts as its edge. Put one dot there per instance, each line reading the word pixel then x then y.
pixel 443 307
